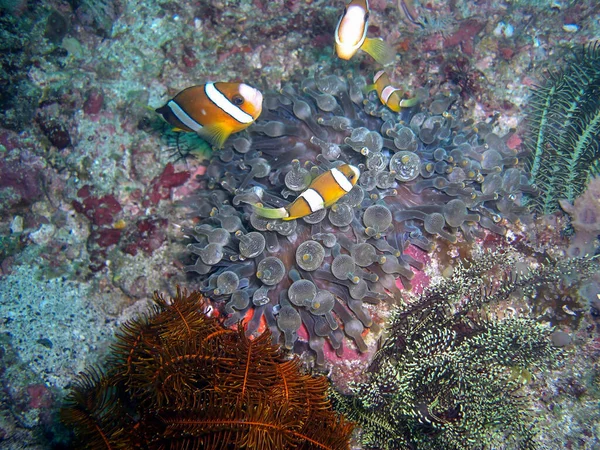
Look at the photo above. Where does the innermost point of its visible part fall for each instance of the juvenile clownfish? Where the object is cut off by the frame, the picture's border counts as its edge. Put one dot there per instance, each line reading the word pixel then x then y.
pixel 389 95
pixel 351 34
pixel 213 110
pixel 324 191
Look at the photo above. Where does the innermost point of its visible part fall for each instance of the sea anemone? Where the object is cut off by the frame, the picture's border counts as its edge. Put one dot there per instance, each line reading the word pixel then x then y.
pixel 426 173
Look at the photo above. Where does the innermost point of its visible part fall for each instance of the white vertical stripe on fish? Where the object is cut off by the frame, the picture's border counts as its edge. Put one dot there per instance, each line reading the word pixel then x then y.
pixel 387 91
pixel 341 180
pixel 314 199
pixel 183 117
pixel 215 96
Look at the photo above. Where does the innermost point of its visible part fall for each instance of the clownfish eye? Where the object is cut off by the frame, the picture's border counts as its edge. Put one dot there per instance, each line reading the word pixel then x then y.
pixel 237 100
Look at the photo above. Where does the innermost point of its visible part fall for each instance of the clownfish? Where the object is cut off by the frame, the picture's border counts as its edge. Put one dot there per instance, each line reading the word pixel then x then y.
pixel 213 110
pixel 351 34
pixel 324 191
pixel 390 96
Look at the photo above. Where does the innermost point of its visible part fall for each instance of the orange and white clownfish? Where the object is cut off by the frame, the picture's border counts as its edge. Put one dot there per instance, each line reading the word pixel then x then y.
pixel 324 191
pixel 351 34
pixel 390 96
pixel 213 110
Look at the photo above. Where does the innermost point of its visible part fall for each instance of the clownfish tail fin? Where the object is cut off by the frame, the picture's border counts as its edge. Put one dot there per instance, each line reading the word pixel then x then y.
pixel 409 102
pixel 368 88
pixel 379 50
pixel 419 97
pixel 270 213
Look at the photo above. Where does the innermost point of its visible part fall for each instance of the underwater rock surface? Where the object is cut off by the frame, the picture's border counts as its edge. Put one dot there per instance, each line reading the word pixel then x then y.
pixel 426 174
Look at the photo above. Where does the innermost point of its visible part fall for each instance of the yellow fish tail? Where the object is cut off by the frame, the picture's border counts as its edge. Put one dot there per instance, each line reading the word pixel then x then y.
pixel 379 50
pixel 409 102
pixel 270 213
pixel 368 88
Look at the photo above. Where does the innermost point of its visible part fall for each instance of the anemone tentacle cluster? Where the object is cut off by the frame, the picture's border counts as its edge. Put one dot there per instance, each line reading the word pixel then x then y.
pixel 426 173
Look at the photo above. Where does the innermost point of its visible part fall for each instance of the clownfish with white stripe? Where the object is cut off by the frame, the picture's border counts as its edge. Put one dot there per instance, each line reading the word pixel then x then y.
pixel 213 110
pixel 323 192
pixel 351 35
pixel 389 95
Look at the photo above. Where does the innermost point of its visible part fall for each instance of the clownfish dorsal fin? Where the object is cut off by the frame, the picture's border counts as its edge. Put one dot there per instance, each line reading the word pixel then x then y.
pixel 379 50
pixel 215 134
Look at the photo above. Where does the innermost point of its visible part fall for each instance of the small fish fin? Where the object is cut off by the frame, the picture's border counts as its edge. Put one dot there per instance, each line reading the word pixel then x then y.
pixel 165 113
pixel 214 134
pixel 162 110
pixel 270 213
pixel 409 102
pixel 379 50
pixel 368 88
pixel 419 96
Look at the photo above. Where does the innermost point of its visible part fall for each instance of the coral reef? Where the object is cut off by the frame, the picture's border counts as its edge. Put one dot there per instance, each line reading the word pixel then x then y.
pixel 76 80
pixel 180 380
pixel 50 329
pixel 17 37
pixel 564 130
pixel 451 372
pixel 108 228
pixel 426 174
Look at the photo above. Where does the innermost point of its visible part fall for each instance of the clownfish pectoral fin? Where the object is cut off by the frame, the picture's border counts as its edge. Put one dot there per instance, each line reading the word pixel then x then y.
pixel 379 50
pixel 270 213
pixel 214 134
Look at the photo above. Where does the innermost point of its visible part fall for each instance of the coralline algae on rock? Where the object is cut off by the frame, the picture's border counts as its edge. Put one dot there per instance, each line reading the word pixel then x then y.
pixel 426 173
pixel 53 325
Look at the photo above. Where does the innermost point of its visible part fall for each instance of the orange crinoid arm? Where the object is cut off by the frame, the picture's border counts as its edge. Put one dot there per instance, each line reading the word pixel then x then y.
pixel 178 379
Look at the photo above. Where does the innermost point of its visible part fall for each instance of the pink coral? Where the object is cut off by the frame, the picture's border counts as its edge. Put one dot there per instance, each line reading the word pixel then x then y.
pixel 585 218
pixel 39 396
pixel 160 187
pixel 94 101
pixel 148 234
pixel 465 36
pixel 100 210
